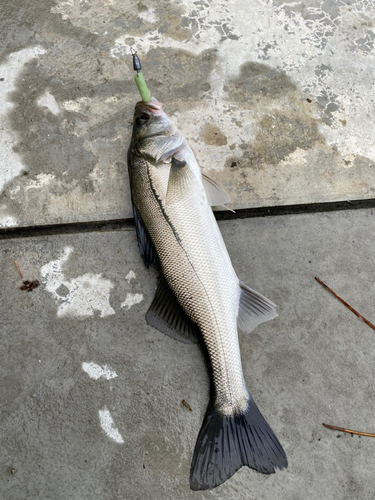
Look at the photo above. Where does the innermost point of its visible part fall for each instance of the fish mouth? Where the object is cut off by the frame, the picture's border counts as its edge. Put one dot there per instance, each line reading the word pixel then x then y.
pixel 153 106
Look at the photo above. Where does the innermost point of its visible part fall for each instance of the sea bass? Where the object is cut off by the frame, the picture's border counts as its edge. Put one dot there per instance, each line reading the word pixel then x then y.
pixel 199 293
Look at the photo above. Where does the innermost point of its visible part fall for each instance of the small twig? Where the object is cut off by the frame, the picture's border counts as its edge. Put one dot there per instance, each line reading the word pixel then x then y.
pixel 341 429
pixel 18 269
pixel 346 304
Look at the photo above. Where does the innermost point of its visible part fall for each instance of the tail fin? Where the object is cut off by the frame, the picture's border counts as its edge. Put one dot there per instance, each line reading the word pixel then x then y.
pixel 226 443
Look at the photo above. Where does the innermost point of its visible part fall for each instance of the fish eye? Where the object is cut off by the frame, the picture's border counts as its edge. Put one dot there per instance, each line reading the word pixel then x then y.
pixel 141 119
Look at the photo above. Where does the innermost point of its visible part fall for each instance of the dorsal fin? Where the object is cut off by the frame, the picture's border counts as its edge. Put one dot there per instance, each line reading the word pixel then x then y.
pixel 166 315
pixel 216 194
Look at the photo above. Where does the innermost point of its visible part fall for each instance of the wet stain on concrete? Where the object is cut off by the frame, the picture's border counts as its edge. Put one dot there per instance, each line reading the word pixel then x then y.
pixel 280 134
pixel 361 162
pixel 70 68
pixel 265 48
pixel 42 141
pixel 95 94
pixel 364 43
pixel 258 80
pixel 25 25
pixel 324 16
pixel 277 132
pixel 328 100
pixel 212 135
pixel 198 22
pixel 284 132
pixel 172 26
pixel 166 74
pixel 325 10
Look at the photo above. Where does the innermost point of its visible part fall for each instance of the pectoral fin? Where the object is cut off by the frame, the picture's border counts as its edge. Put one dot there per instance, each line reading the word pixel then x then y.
pixel 167 316
pixel 254 309
pixel 216 195
pixel 181 181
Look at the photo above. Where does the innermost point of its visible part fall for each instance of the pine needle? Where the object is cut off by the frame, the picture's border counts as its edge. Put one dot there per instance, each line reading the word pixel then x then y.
pixel 341 429
pixel 346 304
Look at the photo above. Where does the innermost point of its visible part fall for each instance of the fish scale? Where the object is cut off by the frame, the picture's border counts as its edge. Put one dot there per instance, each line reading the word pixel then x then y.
pixel 209 273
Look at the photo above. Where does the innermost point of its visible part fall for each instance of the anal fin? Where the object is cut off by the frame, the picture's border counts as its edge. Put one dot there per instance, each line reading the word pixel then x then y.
pixel 166 315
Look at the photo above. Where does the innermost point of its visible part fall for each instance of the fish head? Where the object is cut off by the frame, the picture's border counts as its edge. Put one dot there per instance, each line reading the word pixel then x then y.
pixel 154 134
pixel 150 120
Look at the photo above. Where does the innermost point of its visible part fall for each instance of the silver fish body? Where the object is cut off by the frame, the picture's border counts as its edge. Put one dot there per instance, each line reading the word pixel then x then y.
pixel 172 206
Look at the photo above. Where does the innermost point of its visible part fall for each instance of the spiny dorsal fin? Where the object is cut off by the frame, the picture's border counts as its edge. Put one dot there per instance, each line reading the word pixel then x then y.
pixel 166 315
pixel 254 309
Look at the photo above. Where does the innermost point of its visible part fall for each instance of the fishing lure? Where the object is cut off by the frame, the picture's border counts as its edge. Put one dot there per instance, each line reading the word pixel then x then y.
pixel 139 79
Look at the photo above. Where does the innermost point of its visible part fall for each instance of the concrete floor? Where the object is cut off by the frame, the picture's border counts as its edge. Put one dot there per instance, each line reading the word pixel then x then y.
pixel 276 101
pixel 91 396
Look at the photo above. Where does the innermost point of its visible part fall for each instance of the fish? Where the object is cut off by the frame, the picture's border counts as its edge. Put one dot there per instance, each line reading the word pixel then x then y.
pixel 199 297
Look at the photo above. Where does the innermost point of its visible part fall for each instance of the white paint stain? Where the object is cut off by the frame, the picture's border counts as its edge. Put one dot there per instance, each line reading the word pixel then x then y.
pixel 13 192
pixel 7 221
pixel 65 8
pixel 121 48
pixel 80 296
pixel 108 426
pixel 130 276
pixel 96 371
pixel 40 181
pixel 76 106
pixel 148 15
pixel 48 101
pixel 131 299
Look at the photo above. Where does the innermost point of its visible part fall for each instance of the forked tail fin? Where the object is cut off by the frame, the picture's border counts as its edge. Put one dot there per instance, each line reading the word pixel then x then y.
pixel 226 443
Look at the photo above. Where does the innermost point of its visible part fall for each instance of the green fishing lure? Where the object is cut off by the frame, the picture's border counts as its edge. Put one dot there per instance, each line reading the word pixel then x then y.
pixel 139 79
